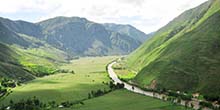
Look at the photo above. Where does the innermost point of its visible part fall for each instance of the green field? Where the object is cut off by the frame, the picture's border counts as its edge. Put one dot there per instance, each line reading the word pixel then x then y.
pixel 89 75
pixel 122 71
pixel 125 74
pixel 125 100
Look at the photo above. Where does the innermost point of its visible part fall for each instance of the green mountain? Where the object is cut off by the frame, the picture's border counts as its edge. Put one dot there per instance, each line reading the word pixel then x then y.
pixel 24 57
pixel 183 55
pixel 74 35
pixel 85 38
pixel 31 50
pixel 128 30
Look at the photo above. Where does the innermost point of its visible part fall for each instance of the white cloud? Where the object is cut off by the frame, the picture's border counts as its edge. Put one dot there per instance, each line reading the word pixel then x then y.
pixel 147 15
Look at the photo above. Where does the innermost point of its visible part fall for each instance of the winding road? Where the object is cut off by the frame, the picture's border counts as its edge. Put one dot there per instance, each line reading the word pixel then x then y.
pixel 127 86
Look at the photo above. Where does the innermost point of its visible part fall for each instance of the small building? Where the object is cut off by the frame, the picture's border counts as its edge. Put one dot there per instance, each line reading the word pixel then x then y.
pixel 195 95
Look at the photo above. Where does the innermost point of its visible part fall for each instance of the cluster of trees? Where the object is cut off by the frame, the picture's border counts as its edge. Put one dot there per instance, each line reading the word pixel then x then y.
pixel 99 92
pixel 65 71
pixel 176 97
pixel 179 95
pixel 8 83
pixel 68 104
pixel 29 104
pixel 113 86
pixel 212 98
pixel 3 91
pixel 54 72
pixel 4 84
pixel 35 104
pixel 182 96
pixel 205 104
pixel 209 105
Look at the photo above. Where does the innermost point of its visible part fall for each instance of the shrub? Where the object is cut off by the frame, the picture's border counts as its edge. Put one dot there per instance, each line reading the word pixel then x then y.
pixel 206 104
pixel 212 98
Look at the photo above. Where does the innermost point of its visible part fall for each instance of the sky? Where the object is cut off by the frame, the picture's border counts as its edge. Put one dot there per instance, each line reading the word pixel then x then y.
pixel 146 15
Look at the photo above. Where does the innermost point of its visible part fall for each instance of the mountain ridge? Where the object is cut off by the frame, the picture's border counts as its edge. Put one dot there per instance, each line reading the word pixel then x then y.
pixel 82 37
pixel 39 48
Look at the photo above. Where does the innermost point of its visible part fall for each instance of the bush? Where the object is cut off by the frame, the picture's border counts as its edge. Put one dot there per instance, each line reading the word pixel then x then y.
pixel 180 95
pixel 112 86
pixel 3 91
pixel 68 104
pixel 8 83
pixel 212 98
pixel 206 104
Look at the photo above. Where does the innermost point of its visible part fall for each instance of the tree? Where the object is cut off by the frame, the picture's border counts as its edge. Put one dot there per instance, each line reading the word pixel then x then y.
pixel 72 72
pixel 11 102
pixel 89 96
pixel 111 85
pixel 212 97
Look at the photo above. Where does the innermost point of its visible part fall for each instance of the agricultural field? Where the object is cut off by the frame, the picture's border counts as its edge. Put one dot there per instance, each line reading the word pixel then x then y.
pixel 123 72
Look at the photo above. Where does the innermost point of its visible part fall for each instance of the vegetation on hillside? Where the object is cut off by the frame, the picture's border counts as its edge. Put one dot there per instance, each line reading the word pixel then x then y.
pixel 184 52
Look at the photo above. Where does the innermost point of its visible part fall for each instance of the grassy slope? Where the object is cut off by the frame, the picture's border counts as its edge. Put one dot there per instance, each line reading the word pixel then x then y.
pixel 9 65
pixel 151 49
pixel 24 63
pixel 125 100
pixel 89 75
pixel 190 57
pixel 125 74
pixel 41 60
pixel 122 71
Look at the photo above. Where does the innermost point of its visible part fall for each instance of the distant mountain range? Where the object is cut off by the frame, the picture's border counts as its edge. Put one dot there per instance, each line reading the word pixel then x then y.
pixel 75 35
pixel 184 55
pixel 37 49
pixel 129 31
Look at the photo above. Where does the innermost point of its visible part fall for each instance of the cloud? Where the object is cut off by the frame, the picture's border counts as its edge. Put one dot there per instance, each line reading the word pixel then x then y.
pixel 133 2
pixel 146 15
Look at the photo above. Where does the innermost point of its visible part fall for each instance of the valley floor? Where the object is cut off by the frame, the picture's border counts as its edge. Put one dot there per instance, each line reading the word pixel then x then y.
pixel 89 75
pixel 125 100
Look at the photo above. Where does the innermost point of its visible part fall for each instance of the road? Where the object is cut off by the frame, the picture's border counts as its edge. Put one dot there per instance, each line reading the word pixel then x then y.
pixel 127 86
pixel 135 89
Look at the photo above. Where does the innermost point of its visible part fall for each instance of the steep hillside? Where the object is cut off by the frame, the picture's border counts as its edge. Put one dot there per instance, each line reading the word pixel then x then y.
pixel 10 67
pixel 26 63
pixel 128 30
pixel 24 57
pixel 143 55
pixel 184 52
pixel 82 37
